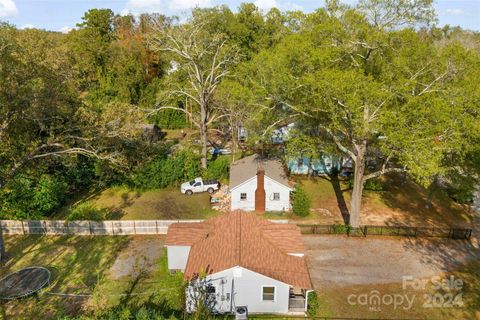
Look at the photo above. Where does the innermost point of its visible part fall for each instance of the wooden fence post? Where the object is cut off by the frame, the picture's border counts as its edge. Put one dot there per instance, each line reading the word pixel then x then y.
pixel 23 227
pixel 156 226
pixel 134 228
pixel 90 227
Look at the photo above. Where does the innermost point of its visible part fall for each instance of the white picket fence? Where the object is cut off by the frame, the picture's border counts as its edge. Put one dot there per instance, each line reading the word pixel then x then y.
pixel 107 227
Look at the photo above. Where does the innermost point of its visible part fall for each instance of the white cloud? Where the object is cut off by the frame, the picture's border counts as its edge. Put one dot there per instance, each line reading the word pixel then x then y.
pixel 150 6
pixel 27 26
pixel 292 7
pixel 455 12
pixel 188 4
pixel 142 6
pixel 8 9
pixel 266 4
pixel 66 29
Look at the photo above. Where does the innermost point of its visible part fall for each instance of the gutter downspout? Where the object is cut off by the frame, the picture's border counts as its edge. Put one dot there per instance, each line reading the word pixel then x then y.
pixel 231 297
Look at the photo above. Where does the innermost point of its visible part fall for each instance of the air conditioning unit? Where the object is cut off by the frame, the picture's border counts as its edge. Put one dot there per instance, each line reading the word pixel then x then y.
pixel 241 313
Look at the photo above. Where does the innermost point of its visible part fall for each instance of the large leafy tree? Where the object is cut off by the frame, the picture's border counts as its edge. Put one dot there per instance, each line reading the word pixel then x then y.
pixel 373 92
pixel 43 118
pixel 203 60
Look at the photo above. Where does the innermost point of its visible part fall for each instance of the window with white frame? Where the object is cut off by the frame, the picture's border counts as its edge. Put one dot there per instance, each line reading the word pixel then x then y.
pixel 243 196
pixel 268 293
pixel 276 196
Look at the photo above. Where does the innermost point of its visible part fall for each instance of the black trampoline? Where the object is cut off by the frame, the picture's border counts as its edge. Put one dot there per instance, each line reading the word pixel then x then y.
pixel 23 283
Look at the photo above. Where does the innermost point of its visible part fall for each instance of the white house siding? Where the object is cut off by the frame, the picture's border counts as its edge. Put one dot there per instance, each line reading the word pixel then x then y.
pixel 272 186
pixel 247 187
pixel 247 291
pixel 177 257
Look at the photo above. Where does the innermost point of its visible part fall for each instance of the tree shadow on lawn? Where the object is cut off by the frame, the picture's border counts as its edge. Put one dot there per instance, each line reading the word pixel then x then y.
pixel 76 264
pixel 127 200
pixel 411 207
pixel 444 254
pixel 337 188
pixel 135 297
pixel 457 258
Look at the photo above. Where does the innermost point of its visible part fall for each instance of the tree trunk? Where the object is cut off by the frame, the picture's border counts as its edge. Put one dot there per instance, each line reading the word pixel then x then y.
pixel 204 135
pixel 356 203
pixel 2 246
pixel 234 134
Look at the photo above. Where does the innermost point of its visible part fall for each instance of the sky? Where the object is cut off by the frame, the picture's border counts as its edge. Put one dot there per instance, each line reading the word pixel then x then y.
pixel 62 15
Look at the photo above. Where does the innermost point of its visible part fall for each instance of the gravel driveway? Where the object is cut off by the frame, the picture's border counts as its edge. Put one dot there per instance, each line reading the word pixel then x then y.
pixel 343 261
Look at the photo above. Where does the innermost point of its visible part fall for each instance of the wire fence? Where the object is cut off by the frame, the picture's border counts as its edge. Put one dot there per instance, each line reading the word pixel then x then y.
pixel 401 231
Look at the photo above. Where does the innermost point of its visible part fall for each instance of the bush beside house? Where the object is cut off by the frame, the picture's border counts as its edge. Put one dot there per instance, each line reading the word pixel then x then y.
pixel 300 202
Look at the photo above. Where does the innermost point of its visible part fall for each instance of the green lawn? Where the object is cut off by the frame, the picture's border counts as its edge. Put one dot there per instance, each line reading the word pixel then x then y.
pixel 81 265
pixel 77 264
pixel 157 289
pixel 159 204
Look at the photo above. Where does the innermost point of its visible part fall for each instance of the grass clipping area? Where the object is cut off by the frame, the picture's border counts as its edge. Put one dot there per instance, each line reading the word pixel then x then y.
pixel 81 272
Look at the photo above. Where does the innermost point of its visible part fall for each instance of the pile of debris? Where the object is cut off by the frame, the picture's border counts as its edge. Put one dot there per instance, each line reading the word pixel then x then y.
pixel 221 199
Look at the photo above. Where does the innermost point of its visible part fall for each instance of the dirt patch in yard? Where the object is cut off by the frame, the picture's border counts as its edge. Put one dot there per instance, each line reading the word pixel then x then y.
pixel 402 202
pixel 337 261
pixel 140 256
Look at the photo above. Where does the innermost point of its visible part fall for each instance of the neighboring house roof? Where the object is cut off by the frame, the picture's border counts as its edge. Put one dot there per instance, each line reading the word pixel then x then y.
pixel 246 168
pixel 243 239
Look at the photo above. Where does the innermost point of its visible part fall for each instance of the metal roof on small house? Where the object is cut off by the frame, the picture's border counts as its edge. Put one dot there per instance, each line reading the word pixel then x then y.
pixel 246 168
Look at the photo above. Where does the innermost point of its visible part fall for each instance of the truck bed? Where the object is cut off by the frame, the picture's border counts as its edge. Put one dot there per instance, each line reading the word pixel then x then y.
pixel 209 182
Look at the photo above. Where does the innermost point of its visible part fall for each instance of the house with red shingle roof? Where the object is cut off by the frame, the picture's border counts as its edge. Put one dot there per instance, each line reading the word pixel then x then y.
pixel 248 261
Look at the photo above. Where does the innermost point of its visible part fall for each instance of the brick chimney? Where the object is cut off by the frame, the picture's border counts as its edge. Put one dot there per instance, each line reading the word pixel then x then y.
pixel 260 191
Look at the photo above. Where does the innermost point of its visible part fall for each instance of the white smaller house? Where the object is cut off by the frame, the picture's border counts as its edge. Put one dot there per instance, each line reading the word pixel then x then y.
pixel 242 260
pixel 258 184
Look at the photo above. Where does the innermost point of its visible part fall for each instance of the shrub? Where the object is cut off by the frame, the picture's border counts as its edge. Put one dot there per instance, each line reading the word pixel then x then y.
pixel 370 185
pixel 218 169
pixel 87 211
pixel 49 194
pixel 373 185
pixel 25 198
pixel 167 171
pixel 312 308
pixel 341 229
pixel 301 202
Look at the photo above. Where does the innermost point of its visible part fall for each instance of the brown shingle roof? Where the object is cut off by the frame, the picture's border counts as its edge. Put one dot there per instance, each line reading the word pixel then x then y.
pixel 243 239
pixel 186 234
pixel 246 168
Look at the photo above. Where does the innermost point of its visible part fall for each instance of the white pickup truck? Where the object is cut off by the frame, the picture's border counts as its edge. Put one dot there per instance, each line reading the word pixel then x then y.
pixel 198 185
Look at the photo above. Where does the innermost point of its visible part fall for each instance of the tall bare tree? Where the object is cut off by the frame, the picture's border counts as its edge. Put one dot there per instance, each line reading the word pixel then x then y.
pixel 205 59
